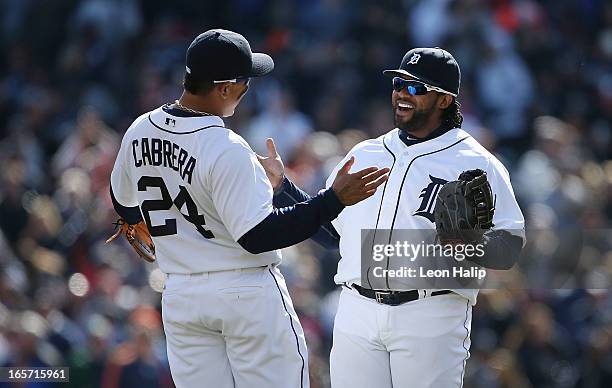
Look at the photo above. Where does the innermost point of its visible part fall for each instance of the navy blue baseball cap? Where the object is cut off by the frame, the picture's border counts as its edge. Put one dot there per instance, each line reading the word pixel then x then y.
pixel 431 65
pixel 219 55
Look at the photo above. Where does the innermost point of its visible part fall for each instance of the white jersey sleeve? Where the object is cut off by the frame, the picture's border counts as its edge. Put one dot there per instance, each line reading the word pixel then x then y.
pixel 240 189
pixel 122 183
pixel 508 215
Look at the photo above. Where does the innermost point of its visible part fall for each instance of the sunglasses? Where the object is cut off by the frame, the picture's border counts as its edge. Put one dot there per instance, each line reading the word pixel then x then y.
pixel 414 88
pixel 244 80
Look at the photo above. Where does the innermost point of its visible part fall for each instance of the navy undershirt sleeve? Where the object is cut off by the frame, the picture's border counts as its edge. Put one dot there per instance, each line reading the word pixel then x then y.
pixel 501 250
pixel 292 224
pixel 289 194
pixel 131 215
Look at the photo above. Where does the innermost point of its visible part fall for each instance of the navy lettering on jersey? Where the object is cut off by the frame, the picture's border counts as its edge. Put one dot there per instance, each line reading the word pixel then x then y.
pixel 181 160
pixel 174 156
pixel 137 161
pixel 429 195
pixel 156 148
pixel 167 154
pixel 146 153
pixel 163 153
pixel 188 171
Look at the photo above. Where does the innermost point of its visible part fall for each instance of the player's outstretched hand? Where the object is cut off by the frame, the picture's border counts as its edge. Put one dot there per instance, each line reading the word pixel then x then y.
pixel 273 164
pixel 355 187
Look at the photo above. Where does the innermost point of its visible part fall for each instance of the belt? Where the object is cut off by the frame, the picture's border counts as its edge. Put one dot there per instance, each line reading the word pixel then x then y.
pixel 394 298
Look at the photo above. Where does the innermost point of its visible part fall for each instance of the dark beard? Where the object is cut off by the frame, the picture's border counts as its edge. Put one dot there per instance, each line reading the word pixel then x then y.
pixel 418 120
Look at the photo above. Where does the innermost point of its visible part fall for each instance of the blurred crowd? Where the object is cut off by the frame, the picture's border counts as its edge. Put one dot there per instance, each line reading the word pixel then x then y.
pixel 536 90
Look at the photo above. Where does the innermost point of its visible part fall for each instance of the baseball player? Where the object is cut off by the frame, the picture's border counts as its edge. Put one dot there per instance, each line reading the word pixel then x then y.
pixel 387 337
pixel 206 201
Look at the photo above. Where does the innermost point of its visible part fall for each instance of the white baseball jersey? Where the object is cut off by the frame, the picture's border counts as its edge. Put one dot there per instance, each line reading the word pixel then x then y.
pixel 408 198
pixel 200 188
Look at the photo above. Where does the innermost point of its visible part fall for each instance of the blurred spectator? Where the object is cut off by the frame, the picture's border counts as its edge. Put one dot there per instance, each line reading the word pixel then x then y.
pixel 280 121
pixel 505 89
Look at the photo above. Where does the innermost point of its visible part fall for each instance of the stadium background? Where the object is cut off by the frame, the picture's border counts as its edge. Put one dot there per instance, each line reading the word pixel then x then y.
pixel 536 90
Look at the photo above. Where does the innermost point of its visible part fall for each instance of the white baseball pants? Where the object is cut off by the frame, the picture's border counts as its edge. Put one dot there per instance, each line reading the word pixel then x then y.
pixel 423 343
pixel 233 329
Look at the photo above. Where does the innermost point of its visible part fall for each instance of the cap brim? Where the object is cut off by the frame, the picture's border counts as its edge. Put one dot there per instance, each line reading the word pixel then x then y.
pixel 262 65
pixel 401 72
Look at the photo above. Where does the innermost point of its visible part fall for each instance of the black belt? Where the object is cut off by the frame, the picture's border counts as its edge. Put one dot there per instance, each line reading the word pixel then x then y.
pixel 394 298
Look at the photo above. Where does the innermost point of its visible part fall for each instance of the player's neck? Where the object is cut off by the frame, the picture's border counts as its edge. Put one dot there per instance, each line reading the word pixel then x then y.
pixel 409 139
pixel 200 104
pixel 424 131
pixel 420 133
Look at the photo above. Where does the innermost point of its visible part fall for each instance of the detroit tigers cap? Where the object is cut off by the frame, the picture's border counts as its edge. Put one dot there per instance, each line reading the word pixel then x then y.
pixel 217 55
pixel 431 65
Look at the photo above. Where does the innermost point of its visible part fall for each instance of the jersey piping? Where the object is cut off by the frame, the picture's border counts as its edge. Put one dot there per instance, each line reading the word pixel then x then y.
pixel 183 133
pixel 381 203
pixel 399 195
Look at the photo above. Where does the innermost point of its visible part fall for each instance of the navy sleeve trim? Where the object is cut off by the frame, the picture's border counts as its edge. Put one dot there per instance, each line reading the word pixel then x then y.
pixel 131 215
pixel 290 225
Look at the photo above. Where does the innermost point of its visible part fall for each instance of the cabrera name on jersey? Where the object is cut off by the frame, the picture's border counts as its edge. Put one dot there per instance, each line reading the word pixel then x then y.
pixel 199 187
pixel 158 152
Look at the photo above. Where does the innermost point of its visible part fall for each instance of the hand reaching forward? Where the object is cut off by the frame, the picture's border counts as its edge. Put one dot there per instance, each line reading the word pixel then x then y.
pixel 273 164
pixel 350 188
pixel 354 188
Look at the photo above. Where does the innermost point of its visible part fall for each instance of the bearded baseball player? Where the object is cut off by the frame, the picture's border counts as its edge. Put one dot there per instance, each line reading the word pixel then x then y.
pixel 441 180
pixel 200 191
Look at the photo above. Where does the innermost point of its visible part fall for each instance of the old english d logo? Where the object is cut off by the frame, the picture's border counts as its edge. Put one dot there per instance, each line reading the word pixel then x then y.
pixel 414 59
pixel 429 195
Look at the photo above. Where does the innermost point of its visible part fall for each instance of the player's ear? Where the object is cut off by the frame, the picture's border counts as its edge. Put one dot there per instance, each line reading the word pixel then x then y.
pixel 445 101
pixel 223 89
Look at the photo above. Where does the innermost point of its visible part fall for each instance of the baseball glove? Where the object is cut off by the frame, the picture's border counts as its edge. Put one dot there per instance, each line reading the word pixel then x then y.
pixel 138 236
pixel 464 208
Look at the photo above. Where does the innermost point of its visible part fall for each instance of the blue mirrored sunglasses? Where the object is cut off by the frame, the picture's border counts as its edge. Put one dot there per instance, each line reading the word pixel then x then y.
pixel 414 88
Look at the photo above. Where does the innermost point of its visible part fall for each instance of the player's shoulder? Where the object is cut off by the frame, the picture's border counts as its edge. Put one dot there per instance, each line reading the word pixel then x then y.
pixel 233 139
pixel 137 123
pixel 468 141
pixel 474 146
pixel 368 146
pixel 222 140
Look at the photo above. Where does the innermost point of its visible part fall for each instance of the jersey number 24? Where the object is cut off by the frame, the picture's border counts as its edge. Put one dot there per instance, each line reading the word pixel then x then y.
pixel 165 203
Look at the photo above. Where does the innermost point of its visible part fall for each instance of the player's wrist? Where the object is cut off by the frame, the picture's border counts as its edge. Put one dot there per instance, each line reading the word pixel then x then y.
pixel 332 204
pixel 281 185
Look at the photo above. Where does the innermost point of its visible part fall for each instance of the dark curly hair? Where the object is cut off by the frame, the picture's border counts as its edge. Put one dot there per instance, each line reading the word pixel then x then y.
pixel 452 115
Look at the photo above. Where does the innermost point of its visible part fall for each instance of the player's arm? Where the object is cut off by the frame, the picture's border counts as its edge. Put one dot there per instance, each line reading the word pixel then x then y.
pixel 503 244
pixel 242 195
pixel 123 195
pixel 501 250
pixel 131 214
pixel 288 194
pixel 122 189
pixel 293 224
